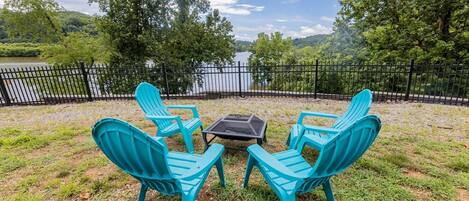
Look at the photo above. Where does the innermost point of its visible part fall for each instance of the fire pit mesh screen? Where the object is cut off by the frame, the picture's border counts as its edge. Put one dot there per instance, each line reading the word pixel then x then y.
pixel 239 124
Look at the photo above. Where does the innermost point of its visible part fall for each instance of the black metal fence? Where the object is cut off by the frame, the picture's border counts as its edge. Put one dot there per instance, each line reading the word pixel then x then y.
pixel 429 83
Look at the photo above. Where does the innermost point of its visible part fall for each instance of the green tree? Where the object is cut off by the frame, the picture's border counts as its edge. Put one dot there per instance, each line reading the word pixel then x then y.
pixel 242 46
pixel 428 31
pixel 133 27
pixel 75 48
pixel 192 43
pixel 169 32
pixel 32 18
pixel 267 51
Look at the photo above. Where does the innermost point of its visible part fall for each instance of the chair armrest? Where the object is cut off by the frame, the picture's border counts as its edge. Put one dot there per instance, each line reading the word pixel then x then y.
pixel 152 117
pixel 195 113
pixel 304 114
pixel 266 159
pixel 296 132
pixel 313 141
pixel 209 158
pixel 316 141
pixel 159 118
pixel 322 129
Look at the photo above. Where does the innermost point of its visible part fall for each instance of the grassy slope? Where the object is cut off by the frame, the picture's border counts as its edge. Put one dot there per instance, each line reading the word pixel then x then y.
pixel 422 153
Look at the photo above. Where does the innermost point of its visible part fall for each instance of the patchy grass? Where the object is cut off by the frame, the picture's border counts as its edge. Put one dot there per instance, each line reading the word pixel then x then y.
pixel 47 153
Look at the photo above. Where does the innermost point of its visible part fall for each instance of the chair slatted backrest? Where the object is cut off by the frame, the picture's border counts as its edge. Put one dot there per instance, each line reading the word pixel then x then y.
pixel 347 146
pixel 149 99
pixel 343 150
pixel 358 107
pixel 135 152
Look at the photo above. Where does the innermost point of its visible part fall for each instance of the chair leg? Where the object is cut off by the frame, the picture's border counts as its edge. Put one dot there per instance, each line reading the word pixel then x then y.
pixel 291 197
pixel 188 141
pixel 143 192
pixel 188 197
pixel 201 128
pixel 328 190
pixel 249 166
pixel 220 171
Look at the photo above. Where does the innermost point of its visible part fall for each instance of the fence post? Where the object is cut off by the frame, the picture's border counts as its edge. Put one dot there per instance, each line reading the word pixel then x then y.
pixel 316 80
pixel 3 90
pixel 239 79
pixel 409 80
pixel 166 80
pixel 85 80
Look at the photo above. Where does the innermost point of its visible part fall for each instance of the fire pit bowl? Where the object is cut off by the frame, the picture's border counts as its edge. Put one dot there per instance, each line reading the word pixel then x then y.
pixel 237 127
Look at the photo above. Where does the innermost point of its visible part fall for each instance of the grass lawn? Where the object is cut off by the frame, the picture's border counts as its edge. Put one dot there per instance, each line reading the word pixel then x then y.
pixel 47 153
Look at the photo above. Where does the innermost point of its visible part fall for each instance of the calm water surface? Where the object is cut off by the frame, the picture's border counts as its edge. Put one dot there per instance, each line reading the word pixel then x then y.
pixel 37 61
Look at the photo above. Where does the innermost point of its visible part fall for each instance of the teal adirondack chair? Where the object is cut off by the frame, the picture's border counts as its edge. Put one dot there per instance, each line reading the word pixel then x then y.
pixel 147 159
pixel 149 100
pixel 288 173
pixel 358 107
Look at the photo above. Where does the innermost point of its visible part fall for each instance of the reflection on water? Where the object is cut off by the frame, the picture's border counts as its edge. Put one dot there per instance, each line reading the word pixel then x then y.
pixel 18 62
pixel 229 79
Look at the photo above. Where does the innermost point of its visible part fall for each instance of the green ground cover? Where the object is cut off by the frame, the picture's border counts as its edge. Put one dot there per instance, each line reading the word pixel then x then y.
pixel 47 153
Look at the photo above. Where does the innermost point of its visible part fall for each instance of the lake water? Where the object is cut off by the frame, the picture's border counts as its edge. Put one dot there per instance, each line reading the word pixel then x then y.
pixel 227 79
pixel 214 80
pixel 36 61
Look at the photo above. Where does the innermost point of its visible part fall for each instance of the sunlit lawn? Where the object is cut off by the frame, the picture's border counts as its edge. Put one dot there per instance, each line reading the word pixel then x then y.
pixel 47 153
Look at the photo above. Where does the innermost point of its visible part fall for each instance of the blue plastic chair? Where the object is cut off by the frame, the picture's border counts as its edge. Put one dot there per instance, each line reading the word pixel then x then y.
pixel 147 159
pixel 288 173
pixel 358 107
pixel 149 100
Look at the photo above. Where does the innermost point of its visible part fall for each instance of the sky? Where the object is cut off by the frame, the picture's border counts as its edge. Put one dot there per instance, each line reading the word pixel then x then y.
pixel 294 18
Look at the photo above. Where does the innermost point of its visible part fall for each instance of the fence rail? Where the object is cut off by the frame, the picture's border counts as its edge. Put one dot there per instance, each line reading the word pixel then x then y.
pixel 429 83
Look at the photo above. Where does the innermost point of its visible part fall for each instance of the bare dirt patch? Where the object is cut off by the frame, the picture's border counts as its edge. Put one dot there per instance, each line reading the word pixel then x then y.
pixel 462 194
pixel 414 174
pixel 421 194
pixel 98 173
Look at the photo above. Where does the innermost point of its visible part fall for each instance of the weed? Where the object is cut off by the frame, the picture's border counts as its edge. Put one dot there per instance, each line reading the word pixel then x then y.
pixel 9 163
pixel 399 159
pixel 27 182
pixel 68 190
pixel 460 163
pixel 100 186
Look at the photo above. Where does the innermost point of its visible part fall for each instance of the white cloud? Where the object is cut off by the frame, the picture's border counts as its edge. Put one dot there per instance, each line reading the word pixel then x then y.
pixel 234 8
pixel 247 37
pixel 327 19
pixel 309 31
pixel 281 20
pixel 82 6
pixel 299 18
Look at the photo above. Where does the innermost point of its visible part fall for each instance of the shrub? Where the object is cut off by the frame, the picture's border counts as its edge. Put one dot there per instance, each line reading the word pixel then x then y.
pixel 20 50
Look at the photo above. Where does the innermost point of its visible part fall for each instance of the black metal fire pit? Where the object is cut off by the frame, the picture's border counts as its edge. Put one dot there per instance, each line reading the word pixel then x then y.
pixel 237 127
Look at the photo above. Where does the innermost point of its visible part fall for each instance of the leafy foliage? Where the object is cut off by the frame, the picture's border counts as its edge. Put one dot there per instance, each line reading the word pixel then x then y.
pixel 72 21
pixel 267 50
pixel 427 31
pixel 310 40
pixel 75 48
pixel 242 46
pixel 20 50
pixel 378 31
pixel 32 18
pixel 177 38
